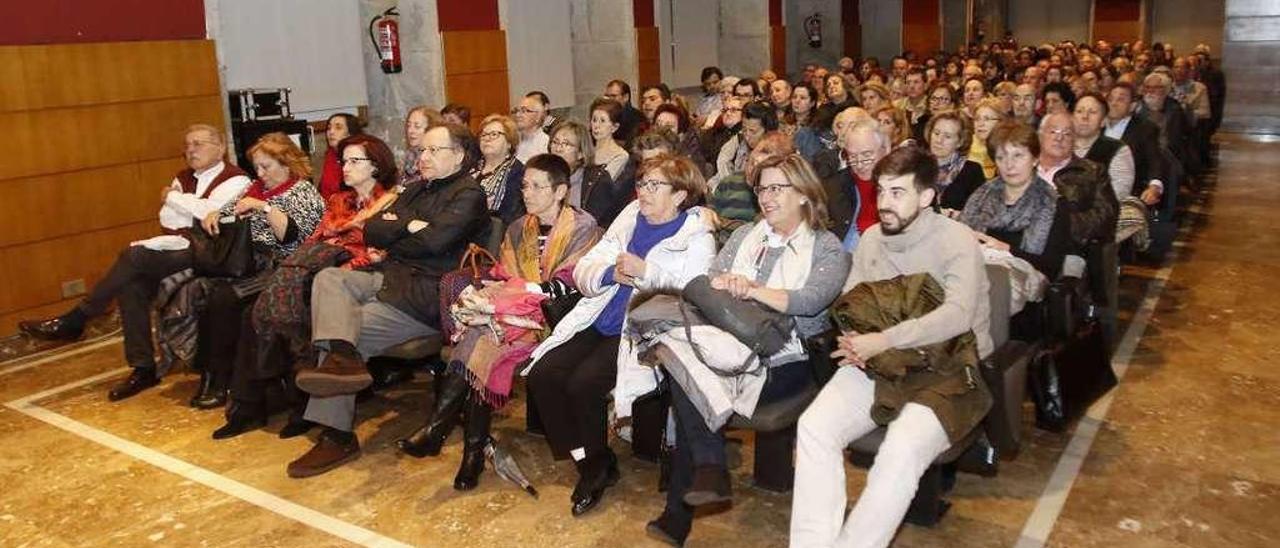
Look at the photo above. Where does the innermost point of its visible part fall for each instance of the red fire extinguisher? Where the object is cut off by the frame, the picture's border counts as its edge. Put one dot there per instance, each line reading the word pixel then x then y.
pixel 384 32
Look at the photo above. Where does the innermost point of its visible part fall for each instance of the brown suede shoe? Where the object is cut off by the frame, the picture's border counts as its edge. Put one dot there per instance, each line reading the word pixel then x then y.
pixel 325 456
pixel 339 374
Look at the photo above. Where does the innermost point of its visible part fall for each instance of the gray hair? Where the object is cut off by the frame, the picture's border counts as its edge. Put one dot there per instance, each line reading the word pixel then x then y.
pixel 213 131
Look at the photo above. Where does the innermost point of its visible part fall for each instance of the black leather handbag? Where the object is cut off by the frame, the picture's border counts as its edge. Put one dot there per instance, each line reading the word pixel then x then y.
pixel 763 330
pixel 229 254
pixel 556 308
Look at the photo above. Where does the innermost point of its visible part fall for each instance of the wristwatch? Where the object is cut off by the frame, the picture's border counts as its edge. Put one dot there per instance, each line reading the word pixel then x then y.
pixel 266 209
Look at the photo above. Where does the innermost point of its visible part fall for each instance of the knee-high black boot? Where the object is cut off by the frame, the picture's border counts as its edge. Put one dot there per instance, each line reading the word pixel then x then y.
pixel 476 437
pixel 428 440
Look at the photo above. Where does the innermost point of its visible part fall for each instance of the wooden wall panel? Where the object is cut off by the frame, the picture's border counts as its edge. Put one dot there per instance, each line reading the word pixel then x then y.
pixel 648 55
pixel 92 132
pixel 69 139
pixel 96 199
pixel 475 71
pixel 921 26
pixel 34 272
pixel 40 77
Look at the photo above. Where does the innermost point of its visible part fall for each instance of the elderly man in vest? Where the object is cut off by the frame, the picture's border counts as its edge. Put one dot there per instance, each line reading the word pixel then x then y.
pixel 909 240
pixel 207 184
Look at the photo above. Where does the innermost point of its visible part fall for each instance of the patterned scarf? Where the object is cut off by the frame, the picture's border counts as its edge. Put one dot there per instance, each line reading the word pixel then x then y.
pixel 533 264
pixel 948 169
pixel 495 183
pixel 986 211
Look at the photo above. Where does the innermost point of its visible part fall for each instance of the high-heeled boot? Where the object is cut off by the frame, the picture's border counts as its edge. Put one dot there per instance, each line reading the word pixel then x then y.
pixel 428 440
pixel 475 438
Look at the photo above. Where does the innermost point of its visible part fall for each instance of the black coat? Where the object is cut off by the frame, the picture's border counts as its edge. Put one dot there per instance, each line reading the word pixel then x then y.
pixel 957 193
pixel 603 197
pixel 1143 138
pixel 1086 188
pixel 456 211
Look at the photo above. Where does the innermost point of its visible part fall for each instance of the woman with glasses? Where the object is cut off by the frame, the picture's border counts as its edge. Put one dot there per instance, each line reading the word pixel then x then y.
pixel 948 136
pixel 787 262
pixel 590 186
pixel 499 172
pixel 989 112
pixel 270 344
pixel 657 244
pixel 725 128
pixel 540 248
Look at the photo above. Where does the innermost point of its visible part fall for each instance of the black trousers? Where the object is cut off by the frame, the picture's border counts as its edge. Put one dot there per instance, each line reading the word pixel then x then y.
pixel 133 281
pixel 570 386
pixel 220 327
pixel 697 445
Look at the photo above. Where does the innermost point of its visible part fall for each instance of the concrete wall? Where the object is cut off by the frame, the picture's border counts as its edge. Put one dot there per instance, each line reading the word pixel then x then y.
pixel 604 48
pixel 422 81
pixel 1039 21
pixel 954 23
pixel 881 29
pixel 1185 23
pixel 798 51
pixel 744 36
pixel 1251 61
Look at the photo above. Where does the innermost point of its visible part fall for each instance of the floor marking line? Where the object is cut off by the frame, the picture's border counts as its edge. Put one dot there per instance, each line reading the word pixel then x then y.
pixel 1041 522
pixel 262 499
pixel 59 355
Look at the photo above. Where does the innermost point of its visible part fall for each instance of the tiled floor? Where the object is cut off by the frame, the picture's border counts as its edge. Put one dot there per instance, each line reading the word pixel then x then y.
pixel 1188 455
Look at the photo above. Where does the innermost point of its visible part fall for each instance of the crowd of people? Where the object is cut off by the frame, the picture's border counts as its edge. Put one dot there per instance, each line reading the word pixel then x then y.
pixel 790 194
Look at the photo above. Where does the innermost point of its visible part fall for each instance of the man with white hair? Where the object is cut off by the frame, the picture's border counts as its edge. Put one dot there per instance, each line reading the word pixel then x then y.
pixel 851 192
pixel 1166 113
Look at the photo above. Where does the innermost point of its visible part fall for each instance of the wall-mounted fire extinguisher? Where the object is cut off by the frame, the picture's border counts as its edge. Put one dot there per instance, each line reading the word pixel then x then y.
pixel 813 30
pixel 384 32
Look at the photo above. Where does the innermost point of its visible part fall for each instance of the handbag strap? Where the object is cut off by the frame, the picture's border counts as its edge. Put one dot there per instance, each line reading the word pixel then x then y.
pixel 472 256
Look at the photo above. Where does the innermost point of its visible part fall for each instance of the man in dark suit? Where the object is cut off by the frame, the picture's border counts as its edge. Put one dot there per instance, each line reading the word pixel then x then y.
pixel 1143 138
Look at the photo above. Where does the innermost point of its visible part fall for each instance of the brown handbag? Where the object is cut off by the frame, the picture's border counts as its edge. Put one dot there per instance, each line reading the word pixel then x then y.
pixel 471 271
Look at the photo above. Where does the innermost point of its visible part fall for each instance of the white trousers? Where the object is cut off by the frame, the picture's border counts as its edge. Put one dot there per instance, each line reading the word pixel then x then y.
pixel 839 415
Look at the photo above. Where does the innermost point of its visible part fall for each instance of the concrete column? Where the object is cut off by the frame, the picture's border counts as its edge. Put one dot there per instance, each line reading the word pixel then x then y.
pixel 422 81
pixel 1251 61
pixel 604 48
pixel 744 37
pixel 799 52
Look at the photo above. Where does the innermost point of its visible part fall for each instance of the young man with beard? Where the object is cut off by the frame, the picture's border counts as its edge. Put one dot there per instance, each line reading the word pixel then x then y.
pixel 910 239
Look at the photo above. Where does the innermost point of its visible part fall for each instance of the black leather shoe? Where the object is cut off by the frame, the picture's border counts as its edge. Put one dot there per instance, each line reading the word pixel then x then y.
pixel 238 424
pixel 208 396
pixel 296 426
pixel 589 491
pixel 140 379
pixel 56 329
pixel 666 530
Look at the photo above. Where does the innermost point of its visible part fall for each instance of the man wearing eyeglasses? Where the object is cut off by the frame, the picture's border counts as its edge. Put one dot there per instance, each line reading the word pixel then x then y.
pixel 359 314
pixel 1083 184
pixel 529 117
pixel 851 192
pixel 205 185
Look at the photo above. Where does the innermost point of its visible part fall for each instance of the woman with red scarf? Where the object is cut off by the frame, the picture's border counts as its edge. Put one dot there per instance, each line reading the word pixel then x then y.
pixel 278 323
pixel 282 208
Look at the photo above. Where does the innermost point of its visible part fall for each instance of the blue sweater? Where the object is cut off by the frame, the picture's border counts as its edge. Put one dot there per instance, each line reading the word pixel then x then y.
pixel 609 322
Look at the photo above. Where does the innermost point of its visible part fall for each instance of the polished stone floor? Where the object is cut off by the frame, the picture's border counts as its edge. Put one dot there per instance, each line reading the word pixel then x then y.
pixel 1188 454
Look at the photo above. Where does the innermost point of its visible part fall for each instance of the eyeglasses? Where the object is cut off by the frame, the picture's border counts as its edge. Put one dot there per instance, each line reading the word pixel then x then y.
pixel 491 135
pixel 353 161
pixel 563 143
pixel 988 119
pixel 436 150
pixel 940 99
pixel 1059 133
pixel 527 186
pixel 732 109
pixel 197 144
pixel 525 110
pixel 651 185
pixel 770 190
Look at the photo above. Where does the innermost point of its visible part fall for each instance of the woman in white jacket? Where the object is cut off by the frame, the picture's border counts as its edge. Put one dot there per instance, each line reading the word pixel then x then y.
pixel 656 245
